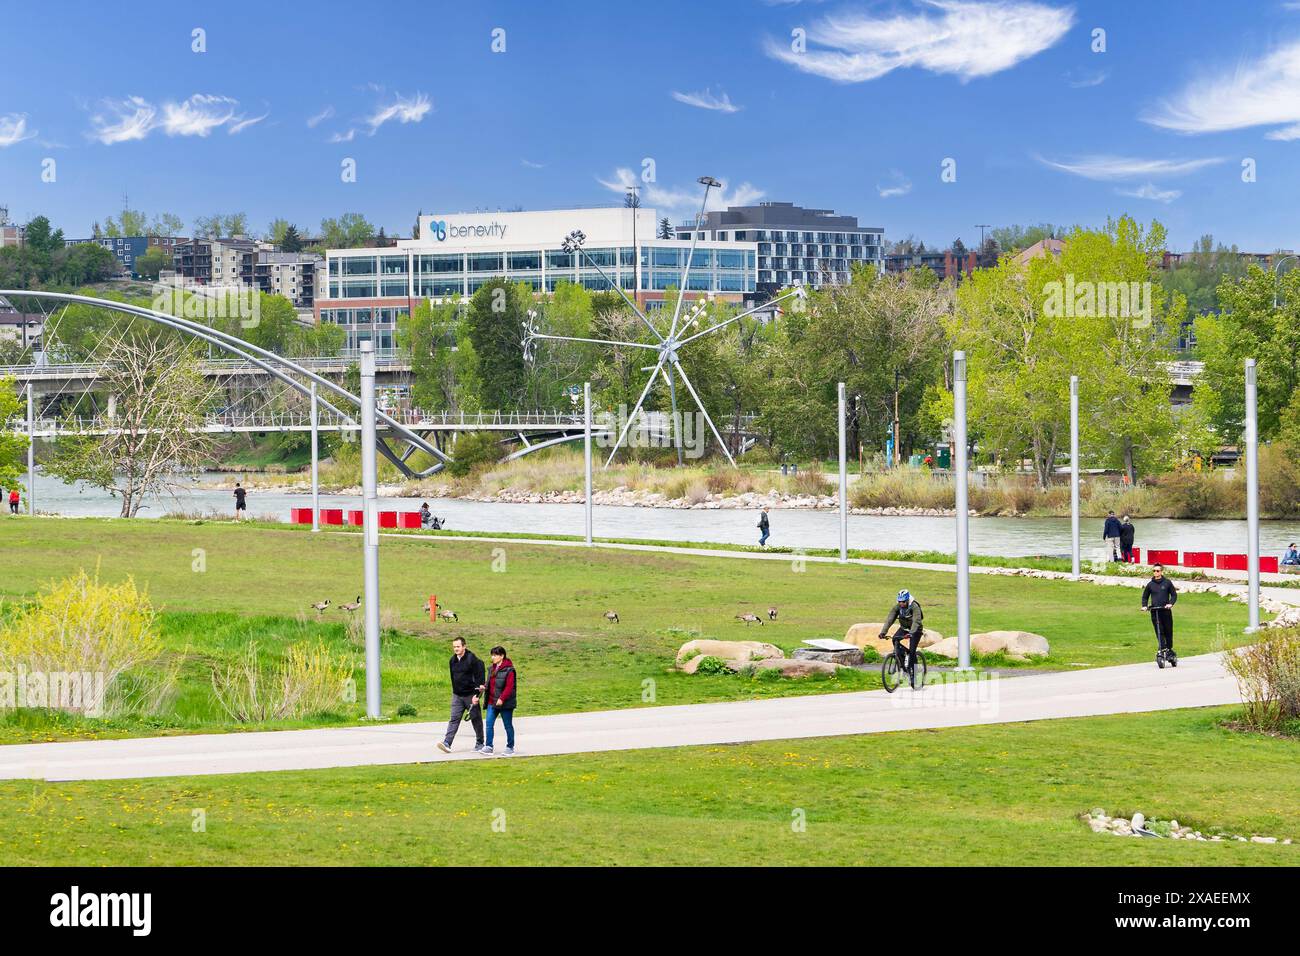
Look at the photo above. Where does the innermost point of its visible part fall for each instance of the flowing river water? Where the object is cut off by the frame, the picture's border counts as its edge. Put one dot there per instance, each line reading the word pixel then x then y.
pixel 1013 537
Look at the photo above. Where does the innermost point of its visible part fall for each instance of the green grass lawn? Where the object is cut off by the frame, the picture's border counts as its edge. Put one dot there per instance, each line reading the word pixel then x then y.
pixel 221 585
pixel 1005 794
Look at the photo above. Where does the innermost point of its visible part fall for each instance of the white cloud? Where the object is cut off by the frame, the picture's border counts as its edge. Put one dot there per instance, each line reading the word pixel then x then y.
pixel 1264 91
pixel 959 37
pixel 531 165
pixel 13 129
pixel 707 101
pixel 899 185
pixel 1122 167
pixel 243 124
pixel 403 109
pixel 684 200
pixel 1150 191
pixel 123 120
pixel 322 116
pixel 199 115
pixel 343 137
pixel 1086 80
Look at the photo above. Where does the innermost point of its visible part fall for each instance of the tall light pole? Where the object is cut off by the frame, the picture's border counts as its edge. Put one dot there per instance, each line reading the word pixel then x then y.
pixel 844 483
pixel 315 462
pixel 31 449
pixel 1277 272
pixel 963 509
pixel 1074 477
pixel 586 450
pixel 1252 498
pixel 370 529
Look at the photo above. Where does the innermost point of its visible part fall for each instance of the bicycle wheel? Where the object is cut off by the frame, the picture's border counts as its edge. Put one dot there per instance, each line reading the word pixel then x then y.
pixel 891 675
pixel 920 672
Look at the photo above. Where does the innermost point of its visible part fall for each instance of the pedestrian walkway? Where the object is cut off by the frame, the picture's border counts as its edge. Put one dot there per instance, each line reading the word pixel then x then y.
pixel 1197 682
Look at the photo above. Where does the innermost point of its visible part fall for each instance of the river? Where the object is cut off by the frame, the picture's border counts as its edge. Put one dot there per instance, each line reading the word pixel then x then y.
pixel 790 528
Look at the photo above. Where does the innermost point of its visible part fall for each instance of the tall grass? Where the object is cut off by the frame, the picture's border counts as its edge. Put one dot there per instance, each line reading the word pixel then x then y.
pixel 309 679
pixel 1268 674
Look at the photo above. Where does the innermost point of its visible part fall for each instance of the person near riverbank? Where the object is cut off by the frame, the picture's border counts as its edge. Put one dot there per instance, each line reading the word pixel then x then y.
pixel 1159 597
pixel 467 682
pixel 14 498
pixel 1292 556
pixel 426 516
pixel 1126 533
pixel 501 694
pixel 241 500
pixel 764 529
pixel 1110 533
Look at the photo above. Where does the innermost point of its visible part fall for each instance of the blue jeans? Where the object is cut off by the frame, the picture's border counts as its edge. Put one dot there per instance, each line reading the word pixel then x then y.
pixel 507 718
pixel 762 538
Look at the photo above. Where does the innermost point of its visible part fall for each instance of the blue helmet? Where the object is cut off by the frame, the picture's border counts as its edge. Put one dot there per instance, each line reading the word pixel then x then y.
pixel 904 596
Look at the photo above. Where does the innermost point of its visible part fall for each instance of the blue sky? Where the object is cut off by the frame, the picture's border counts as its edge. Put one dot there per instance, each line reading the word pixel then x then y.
pixel 1041 127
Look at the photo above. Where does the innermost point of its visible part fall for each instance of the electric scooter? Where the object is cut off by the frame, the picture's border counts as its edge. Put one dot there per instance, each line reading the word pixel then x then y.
pixel 1163 656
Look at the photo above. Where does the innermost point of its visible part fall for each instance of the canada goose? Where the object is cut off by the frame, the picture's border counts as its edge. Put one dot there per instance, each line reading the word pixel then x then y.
pixel 611 616
pixel 749 618
pixel 320 606
pixel 771 614
pixel 351 607
pixel 448 615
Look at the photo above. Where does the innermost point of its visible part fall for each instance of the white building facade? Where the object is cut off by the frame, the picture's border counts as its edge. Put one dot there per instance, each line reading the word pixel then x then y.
pixel 366 291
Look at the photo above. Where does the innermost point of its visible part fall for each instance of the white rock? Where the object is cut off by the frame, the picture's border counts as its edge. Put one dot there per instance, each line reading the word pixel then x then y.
pixel 1138 821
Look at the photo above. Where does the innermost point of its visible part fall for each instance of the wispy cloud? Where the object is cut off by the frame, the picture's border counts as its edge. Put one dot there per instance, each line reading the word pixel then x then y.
pixel 13 129
pixel 343 137
pixel 403 109
pixel 958 37
pixel 1264 91
pixel 322 116
pixel 531 165
pixel 1127 167
pixel 1152 192
pixel 683 200
pixel 899 185
pixel 132 118
pixel 1085 80
pixel 707 101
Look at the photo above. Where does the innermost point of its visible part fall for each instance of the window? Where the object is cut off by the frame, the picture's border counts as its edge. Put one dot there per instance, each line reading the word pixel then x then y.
pixel 358 266
pixel 391 287
pixel 393 265
pixel 440 263
pixel 359 289
pixel 527 261
pixel 559 260
pixel 485 262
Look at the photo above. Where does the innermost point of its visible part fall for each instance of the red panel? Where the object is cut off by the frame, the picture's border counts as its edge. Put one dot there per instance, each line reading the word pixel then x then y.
pixel 331 516
pixel 388 519
pixel 409 519
pixel 1268 564
pixel 1230 562
pixel 1137 556
pixel 356 518
pixel 1198 559
pixel 1162 557
pixel 300 515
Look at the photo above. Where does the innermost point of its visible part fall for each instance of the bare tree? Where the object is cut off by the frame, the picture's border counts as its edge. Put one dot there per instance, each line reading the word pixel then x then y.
pixel 151 433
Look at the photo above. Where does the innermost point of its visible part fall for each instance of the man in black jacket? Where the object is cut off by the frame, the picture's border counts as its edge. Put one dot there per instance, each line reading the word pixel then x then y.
pixel 1126 533
pixel 1159 597
pixel 1111 534
pixel 467 682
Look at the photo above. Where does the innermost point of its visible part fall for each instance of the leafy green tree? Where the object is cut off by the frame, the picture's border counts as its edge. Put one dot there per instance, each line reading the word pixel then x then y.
pixel 13 446
pixel 495 322
pixel 1015 238
pixel 41 238
pixel 348 231
pixel 444 368
pixel 221 225
pixel 155 259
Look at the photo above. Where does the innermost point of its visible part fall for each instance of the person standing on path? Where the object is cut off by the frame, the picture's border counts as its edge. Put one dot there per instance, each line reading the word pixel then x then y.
pixel 1159 597
pixel 763 529
pixel 1111 534
pixel 1126 533
pixel 501 694
pixel 241 501
pixel 467 682
pixel 13 501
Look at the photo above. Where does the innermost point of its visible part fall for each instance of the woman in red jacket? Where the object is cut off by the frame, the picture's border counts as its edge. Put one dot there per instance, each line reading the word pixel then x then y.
pixel 500 695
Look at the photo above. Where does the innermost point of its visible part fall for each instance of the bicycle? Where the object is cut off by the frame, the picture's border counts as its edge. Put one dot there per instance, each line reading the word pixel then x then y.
pixel 891 672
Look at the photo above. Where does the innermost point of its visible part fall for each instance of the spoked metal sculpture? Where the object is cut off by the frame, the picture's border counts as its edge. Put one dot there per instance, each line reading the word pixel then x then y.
pixel 667 347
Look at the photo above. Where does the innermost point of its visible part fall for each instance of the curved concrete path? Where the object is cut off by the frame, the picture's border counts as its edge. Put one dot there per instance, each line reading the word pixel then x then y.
pixel 1197 682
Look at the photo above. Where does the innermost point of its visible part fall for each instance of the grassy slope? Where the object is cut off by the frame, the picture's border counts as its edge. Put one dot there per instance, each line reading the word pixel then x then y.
pixel 545 606
pixel 976 795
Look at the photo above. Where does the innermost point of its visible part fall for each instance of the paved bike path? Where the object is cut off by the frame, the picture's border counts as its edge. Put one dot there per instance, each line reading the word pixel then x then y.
pixel 1197 682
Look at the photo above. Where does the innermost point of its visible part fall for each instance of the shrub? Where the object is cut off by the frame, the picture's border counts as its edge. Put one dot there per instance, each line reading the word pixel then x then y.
pixel 407 710
pixel 811 482
pixel 1268 674
pixel 1279 480
pixel 712 665
pixel 307 680
pixel 472 451
pixel 80 626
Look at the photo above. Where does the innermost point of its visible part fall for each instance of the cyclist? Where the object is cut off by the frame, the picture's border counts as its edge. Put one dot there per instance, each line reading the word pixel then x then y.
pixel 907 613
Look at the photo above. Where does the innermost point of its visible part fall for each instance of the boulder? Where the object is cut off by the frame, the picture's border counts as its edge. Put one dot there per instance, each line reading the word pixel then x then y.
pixel 691 666
pixel 1018 645
pixel 865 635
pixel 791 667
pixel 729 650
pixel 850 657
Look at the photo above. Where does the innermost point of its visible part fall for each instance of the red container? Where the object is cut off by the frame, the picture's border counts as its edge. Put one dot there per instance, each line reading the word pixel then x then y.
pixel 409 519
pixel 331 516
pixel 356 518
pixel 388 519
pixel 1162 557
pixel 1268 564
pixel 1198 559
pixel 1230 562
pixel 300 515
pixel 1137 556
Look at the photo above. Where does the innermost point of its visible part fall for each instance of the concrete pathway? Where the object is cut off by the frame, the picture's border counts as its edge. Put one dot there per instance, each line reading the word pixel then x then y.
pixel 1197 682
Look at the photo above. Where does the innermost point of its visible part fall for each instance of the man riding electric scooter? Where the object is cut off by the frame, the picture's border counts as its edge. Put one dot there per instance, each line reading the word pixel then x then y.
pixel 1159 597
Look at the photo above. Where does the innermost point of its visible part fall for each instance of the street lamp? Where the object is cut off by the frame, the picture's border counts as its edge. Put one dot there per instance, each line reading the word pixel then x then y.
pixel 1277 273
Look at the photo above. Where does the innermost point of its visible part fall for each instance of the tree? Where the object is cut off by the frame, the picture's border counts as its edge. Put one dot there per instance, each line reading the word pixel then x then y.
pixel 160 399
pixel 495 323
pixel 415 226
pixel 13 446
pixel 275 232
pixel 41 238
pixel 155 259
pixel 1016 237
pixel 133 222
pixel 665 229
pixel 348 231
pixel 221 225
pixel 292 241
pixel 444 368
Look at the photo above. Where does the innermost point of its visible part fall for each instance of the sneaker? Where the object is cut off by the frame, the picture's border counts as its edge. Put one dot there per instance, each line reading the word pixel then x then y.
pixel 478 748
pixel 442 745
pixel 509 752
pixel 486 750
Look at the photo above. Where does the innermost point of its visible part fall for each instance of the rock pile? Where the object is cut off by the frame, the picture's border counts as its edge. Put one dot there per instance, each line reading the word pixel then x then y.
pixel 1140 826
